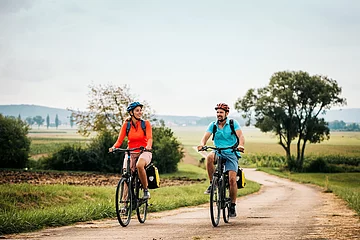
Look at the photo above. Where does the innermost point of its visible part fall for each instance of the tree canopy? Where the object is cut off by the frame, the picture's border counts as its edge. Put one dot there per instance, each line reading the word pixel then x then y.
pixel 106 109
pixel 15 145
pixel 289 106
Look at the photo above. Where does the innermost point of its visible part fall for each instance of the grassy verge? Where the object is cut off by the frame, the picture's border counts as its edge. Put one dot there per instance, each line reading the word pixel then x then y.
pixel 25 207
pixel 344 185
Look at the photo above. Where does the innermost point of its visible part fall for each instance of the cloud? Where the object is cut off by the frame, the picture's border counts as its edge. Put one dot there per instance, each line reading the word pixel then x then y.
pixel 13 6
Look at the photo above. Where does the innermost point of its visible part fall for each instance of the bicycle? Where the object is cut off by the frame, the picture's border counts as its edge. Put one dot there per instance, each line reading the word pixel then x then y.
pixel 219 195
pixel 129 192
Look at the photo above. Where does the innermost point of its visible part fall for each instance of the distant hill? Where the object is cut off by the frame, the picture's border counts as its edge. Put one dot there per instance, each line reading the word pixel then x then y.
pixel 34 110
pixel 346 115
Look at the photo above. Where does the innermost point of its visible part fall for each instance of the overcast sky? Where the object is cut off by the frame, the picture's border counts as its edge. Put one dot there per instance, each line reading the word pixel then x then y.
pixel 182 57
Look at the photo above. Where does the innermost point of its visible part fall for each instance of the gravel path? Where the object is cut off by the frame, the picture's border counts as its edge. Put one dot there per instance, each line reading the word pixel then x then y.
pixel 281 210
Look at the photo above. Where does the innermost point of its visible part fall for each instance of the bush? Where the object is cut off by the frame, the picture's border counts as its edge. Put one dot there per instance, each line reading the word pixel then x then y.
pixel 167 153
pixel 94 158
pixel 14 143
pixel 167 150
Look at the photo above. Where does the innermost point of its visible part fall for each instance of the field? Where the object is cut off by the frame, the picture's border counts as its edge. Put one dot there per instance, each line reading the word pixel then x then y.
pixel 257 142
pixel 263 149
pixel 40 202
pixel 44 141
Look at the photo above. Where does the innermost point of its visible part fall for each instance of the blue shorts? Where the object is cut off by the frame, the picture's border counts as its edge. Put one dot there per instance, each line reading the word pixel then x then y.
pixel 231 163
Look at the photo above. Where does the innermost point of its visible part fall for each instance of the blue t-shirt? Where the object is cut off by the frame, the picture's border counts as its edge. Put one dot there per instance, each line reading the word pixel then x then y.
pixel 224 137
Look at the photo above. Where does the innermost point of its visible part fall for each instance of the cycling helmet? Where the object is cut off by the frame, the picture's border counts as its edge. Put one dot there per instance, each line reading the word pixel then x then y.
pixel 133 105
pixel 222 106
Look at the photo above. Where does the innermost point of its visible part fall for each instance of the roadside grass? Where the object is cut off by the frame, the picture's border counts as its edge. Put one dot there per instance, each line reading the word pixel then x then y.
pixel 344 185
pixel 26 207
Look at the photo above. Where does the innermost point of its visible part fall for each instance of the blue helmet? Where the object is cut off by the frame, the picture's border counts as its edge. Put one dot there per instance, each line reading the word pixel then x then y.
pixel 133 105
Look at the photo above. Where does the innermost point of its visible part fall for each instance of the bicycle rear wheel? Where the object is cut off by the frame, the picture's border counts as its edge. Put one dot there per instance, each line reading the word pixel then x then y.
pixel 215 204
pixel 123 201
pixel 141 203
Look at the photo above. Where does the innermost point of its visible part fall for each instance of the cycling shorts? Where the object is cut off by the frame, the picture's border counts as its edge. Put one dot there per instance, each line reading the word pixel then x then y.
pixel 147 156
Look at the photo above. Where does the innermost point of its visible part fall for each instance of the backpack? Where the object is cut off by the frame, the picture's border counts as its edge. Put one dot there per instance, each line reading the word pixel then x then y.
pixel 128 126
pixel 231 121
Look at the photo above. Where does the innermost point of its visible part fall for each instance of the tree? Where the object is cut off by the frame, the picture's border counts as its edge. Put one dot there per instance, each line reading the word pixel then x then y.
pixel 107 113
pixel 47 121
pixel 15 145
pixel 167 150
pixel 290 106
pixel 57 123
pixel 106 109
pixel 71 121
pixel 30 121
pixel 337 125
pixel 38 120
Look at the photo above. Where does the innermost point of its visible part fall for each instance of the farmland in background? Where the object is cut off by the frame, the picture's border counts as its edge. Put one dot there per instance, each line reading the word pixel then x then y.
pixel 45 141
pixel 261 146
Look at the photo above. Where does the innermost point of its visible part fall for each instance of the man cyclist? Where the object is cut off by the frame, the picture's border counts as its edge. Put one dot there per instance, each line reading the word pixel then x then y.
pixel 224 138
pixel 138 136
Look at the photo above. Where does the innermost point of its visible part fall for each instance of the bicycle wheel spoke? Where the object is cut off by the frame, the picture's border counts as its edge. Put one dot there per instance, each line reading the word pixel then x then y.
pixel 123 202
pixel 215 204
pixel 142 204
pixel 226 209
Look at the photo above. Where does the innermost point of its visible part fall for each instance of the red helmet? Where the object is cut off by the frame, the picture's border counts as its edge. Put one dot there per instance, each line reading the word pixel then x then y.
pixel 222 106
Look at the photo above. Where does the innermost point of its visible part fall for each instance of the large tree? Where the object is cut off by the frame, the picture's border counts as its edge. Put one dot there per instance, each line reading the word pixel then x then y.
pixel 106 109
pixel 290 106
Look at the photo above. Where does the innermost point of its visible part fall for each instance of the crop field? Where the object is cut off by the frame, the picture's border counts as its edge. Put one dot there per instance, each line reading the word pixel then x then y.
pixel 256 142
pixel 44 141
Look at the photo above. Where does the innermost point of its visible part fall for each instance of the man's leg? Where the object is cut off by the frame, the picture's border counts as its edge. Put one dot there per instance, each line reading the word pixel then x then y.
pixel 210 165
pixel 233 192
pixel 210 169
pixel 233 186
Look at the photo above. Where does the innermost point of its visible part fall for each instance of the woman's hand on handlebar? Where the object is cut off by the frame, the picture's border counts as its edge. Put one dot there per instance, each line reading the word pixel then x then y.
pixel 111 149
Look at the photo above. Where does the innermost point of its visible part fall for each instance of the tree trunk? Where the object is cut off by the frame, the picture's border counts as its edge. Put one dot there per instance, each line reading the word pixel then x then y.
pixel 302 154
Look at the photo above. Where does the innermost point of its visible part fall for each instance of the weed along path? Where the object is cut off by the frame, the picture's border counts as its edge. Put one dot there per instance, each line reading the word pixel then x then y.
pixel 280 210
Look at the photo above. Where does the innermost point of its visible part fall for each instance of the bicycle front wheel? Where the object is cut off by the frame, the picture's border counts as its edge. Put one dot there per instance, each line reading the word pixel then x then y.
pixel 141 203
pixel 227 201
pixel 123 202
pixel 215 203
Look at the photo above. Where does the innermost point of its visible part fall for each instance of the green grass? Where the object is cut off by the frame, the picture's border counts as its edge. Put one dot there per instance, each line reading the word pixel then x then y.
pixel 345 185
pixel 187 170
pixel 25 207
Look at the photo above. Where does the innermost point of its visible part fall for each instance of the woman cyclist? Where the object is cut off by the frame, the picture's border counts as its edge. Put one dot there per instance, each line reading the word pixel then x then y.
pixel 137 137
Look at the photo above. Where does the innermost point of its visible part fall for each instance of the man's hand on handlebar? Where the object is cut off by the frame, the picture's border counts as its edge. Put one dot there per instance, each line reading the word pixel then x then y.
pixel 241 148
pixel 200 148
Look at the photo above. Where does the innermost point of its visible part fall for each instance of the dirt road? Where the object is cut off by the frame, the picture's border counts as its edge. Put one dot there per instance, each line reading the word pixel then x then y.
pixel 281 210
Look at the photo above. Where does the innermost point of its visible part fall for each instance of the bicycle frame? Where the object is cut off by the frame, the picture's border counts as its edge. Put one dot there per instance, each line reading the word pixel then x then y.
pixel 218 196
pixel 127 192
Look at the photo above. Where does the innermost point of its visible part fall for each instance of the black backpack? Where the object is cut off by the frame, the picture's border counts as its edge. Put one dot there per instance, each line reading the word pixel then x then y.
pixel 231 121
pixel 128 126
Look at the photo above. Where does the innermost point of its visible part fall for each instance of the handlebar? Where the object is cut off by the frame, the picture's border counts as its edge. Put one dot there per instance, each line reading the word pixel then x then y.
pixel 205 148
pixel 142 149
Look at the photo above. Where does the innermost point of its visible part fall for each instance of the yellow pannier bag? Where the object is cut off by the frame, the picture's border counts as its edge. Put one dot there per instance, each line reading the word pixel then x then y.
pixel 240 178
pixel 153 177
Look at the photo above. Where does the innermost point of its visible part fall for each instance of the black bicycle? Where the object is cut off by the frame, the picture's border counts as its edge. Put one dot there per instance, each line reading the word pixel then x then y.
pixel 219 195
pixel 129 192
